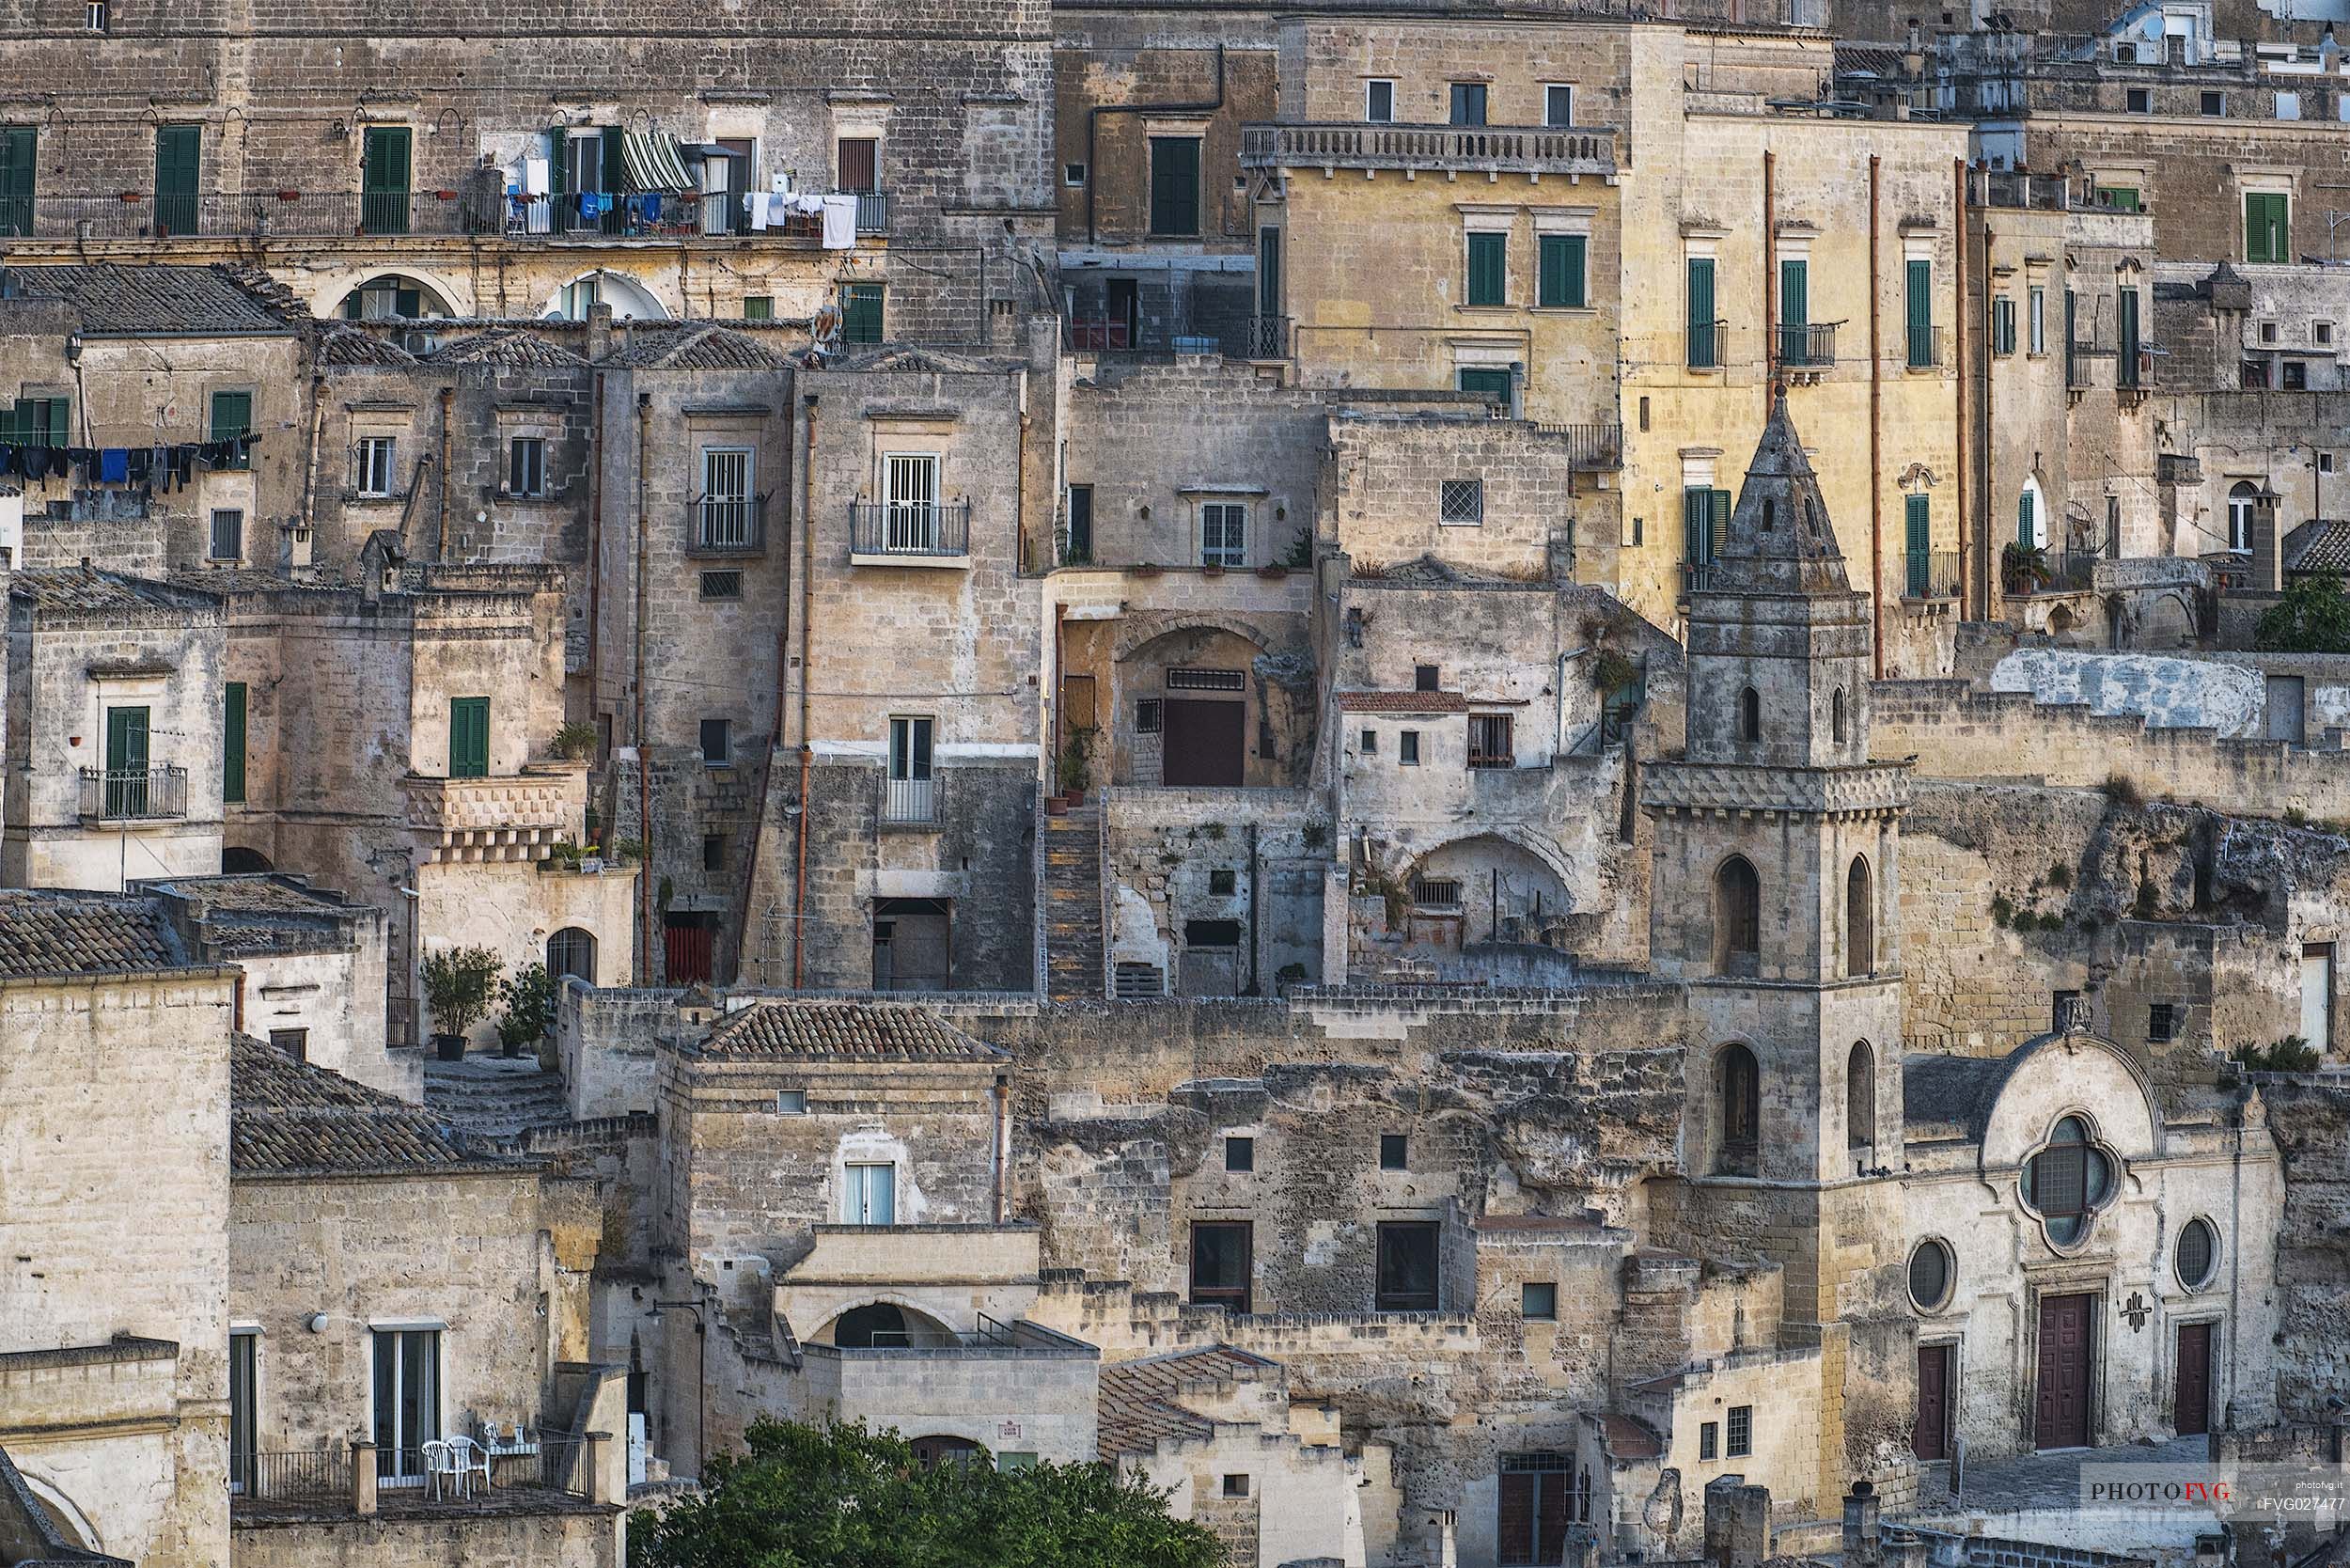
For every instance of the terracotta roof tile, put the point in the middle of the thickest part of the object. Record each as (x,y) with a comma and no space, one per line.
(705,348)
(288,1118)
(505,346)
(1138,1399)
(127,301)
(875,1031)
(1403,702)
(43,932)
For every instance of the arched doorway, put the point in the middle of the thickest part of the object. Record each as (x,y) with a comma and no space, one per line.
(1861,950)
(628,298)
(1860,1097)
(930,1453)
(571,951)
(236,861)
(2242,498)
(883,1326)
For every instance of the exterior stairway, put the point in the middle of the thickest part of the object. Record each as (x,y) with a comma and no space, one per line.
(1073,905)
(495,1097)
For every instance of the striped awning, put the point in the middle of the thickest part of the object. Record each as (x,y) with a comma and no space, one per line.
(653,163)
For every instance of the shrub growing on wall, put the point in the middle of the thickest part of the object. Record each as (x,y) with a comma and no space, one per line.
(2313,617)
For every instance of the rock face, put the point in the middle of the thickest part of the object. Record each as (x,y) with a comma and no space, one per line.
(2311,1120)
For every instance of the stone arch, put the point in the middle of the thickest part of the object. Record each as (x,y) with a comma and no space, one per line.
(856,1325)
(238,860)
(1136,633)
(377,297)
(630,298)
(1226,720)
(1860,946)
(1860,1096)
(1536,883)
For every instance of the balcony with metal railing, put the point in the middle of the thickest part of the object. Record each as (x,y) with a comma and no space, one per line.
(726,526)
(1706,345)
(479,209)
(135,794)
(1801,348)
(910,533)
(1921,347)
(1591,447)
(2026,573)
(910,802)
(1698,576)
(549,1472)
(1930,574)
(1499,148)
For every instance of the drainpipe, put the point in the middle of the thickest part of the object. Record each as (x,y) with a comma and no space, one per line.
(774,743)
(808,673)
(1770,277)
(1876,455)
(595,546)
(1093,116)
(637,703)
(1982,372)
(310,459)
(1003,1148)
(1255,923)
(448,395)
(1981,598)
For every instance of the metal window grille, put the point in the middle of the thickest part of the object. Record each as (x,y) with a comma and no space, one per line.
(1437,892)
(1461,501)
(1488,744)
(1741,1431)
(1206,680)
(1224,534)
(722,585)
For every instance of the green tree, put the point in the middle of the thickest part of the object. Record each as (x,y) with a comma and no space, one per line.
(528,995)
(842,1497)
(2313,617)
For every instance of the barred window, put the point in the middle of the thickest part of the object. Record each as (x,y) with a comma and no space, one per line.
(722,585)
(1147,717)
(1489,742)
(1741,1431)
(1206,680)
(1437,893)
(1461,501)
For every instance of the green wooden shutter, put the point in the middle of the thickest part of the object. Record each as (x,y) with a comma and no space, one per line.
(1917,520)
(1174,184)
(2125,317)
(1918,281)
(2025,532)
(179,170)
(1720,523)
(1562,258)
(384,200)
(1488,269)
(468,737)
(1794,311)
(38,421)
(233,415)
(126,740)
(1696,533)
(232,745)
(559,175)
(1704,344)
(861,313)
(17,148)
(2264,227)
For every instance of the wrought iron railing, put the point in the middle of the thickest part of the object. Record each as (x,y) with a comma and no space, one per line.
(1707,341)
(1265,337)
(910,801)
(131,794)
(1931,574)
(317,1476)
(1698,576)
(2024,572)
(476,209)
(1591,445)
(727,525)
(1811,347)
(910,529)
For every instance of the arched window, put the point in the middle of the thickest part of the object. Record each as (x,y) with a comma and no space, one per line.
(2068,1182)
(1738,1084)
(1737,918)
(878,1326)
(2242,498)
(1860,946)
(1750,715)
(571,951)
(393,297)
(2199,1254)
(1836,716)
(1770,514)
(1860,1097)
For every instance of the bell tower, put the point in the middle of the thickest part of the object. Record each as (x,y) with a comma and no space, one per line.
(1775,879)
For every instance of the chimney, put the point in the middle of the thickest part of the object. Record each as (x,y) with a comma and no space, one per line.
(2267,549)
(1862,1547)
(599,330)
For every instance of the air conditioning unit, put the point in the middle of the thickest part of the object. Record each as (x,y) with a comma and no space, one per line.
(420,343)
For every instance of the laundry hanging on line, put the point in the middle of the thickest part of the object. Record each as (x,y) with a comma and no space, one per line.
(162,467)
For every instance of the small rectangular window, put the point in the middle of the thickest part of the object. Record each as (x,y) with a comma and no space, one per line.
(1424,678)
(2325,463)
(1369,745)
(527,465)
(98,15)
(227,541)
(1147,717)
(1741,1431)
(2322,333)
(2288,105)
(1406,1280)
(1394,1152)
(1222,1257)
(1223,884)
(717,744)
(1407,748)
(792,1102)
(1490,745)
(1379,102)
(1240,1154)
(294,1042)
(714,852)
(2215,103)
(1468,103)
(1460,502)
(376,463)
(2038,325)
(2268,332)
(2297,376)
(1236,1486)
(1223,534)
(2141,100)
(1074,176)
(1559,283)
(1710,1440)
(722,585)
(1558,105)
(2161,1022)
(758,307)
(1538,1302)
(1079,550)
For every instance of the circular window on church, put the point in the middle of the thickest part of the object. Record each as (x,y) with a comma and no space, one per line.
(1932,1273)
(2067,1182)
(2199,1254)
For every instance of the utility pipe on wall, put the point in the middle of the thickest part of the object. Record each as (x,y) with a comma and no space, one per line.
(807,672)
(1876,453)
(1982,585)
(636,704)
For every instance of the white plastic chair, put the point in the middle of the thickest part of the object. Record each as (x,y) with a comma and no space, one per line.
(441,1460)
(470,1459)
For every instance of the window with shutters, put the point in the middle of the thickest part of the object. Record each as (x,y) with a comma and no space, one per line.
(1917,546)
(1558,105)
(1489,742)
(179,178)
(1175,185)
(1221,1263)
(374,457)
(1468,103)
(1918,302)
(527,465)
(717,742)
(2037,322)
(1536,1506)
(1703,329)
(2003,326)
(468,737)
(1495,384)
(2121,198)
(2126,365)
(861,313)
(1488,270)
(1424,677)
(1704,520)
(858,164)
(227,534)
(232,420)
(758,307)
(39,422)
(1379,102)
(2265,231)
(232,742)
(17,148)
(1561,283)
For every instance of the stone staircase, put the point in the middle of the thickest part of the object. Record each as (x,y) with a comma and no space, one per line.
(494,1096)
(1073,905)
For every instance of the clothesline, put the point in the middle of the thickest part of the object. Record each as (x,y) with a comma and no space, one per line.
(163,467)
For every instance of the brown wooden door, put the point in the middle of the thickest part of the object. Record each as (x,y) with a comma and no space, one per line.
(2192,1411)
(1931,1438)
(2066,1326)
(1201,742)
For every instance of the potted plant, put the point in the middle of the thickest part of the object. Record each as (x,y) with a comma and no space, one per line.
(1076,758)
(528,995)
(2026,567)
(457,986)
(574,742)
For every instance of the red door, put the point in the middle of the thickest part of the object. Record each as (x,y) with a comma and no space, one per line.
(2192,1411)
(2065,1334)
(1931,1438)
(1201,742)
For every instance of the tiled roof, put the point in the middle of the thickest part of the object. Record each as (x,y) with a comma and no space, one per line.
(1403,702)
(2318,547)
(880,1031)
(288,1118)
(1872,59)
(131,299)
(883,361)
(505,346)
(705,348)
(350,346)
(1139,1398)
(49,932)
(86,588)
